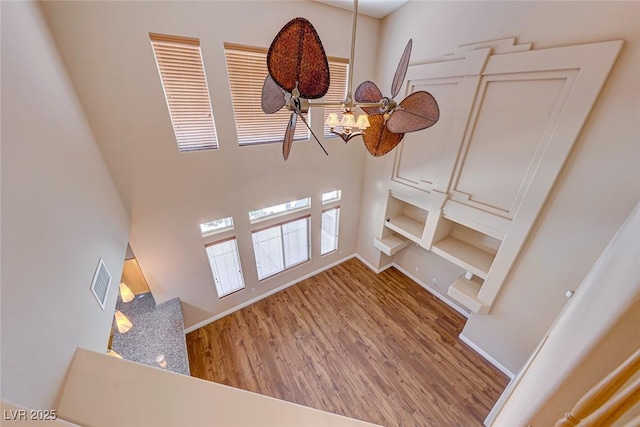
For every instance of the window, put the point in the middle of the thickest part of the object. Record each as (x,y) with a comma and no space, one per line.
(331,196)
(284,208)
(247,69)
(216,226)
(185,87)
(281,247)
(338,69)
(329,236)
(225,266)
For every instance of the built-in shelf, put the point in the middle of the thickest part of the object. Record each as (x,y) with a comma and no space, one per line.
(406,226)
(466,293)
(464,255)
(390,244)
(405,217)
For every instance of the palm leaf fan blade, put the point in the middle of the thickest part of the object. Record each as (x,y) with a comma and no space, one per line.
(401,71)
(273,98)
(296,56)
(288,135)
(367,91)
(378,139)
(416,112)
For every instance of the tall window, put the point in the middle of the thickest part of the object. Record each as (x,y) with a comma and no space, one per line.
(247,69)
(225,266)
(179,62)
(281,247)
(338,69)
(329,236)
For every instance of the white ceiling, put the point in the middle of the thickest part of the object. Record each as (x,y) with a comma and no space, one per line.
(375,8)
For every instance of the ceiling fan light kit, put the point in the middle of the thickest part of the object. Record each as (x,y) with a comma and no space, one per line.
(299,71)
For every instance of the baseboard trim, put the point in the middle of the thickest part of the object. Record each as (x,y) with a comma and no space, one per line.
(486,356)
(434,292)
(265,295)
(371,267)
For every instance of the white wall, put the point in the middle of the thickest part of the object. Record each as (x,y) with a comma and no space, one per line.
(98,383)
(596,190)
(110,60)
(595,334)
(61,212)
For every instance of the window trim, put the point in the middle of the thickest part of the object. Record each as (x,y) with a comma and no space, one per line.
(336,207)
(217,231)
(328,202)
(191,115)
(244,284)
(279,214)
(262,51)
(280,224)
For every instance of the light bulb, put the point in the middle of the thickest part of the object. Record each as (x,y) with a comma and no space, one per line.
(125,293)
(122,323)
(332,120)
(348,121)
(362,122)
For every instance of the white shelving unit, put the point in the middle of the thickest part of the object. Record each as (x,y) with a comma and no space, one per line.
(466,293)
(464,255)
(449,194)
(390,244)
(462,245)
(405,218)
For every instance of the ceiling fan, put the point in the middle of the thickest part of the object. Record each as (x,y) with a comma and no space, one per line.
(299,71)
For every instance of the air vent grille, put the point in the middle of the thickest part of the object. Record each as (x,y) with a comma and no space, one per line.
(100,283)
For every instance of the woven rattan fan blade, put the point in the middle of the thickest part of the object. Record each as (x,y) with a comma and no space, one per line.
(273,98)
(416,112)
(401,71)
(296,56)
(288,135)
(377,138)
(367,91)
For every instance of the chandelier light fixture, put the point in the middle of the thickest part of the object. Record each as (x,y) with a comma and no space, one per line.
(347,124)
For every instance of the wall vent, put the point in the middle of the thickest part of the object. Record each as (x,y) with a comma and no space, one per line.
(100,283)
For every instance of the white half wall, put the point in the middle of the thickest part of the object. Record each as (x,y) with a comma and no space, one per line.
(596,333)
(61,213)
(596,190)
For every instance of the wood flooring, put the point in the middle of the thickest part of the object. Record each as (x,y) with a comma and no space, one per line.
(377,348)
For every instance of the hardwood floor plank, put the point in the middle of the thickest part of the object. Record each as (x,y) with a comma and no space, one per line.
(375,347)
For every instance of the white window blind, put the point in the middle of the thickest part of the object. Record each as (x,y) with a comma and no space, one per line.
(281,247)
(247,69)
(185,87)
(225,266)
(338,69)
(329,236)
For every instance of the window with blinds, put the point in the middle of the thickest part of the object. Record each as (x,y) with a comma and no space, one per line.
(185,87)
(281,247)
(338,69)
(247,69)
(329,236)
(225,266)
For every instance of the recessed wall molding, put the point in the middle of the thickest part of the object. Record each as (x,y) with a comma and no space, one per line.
(470,188)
